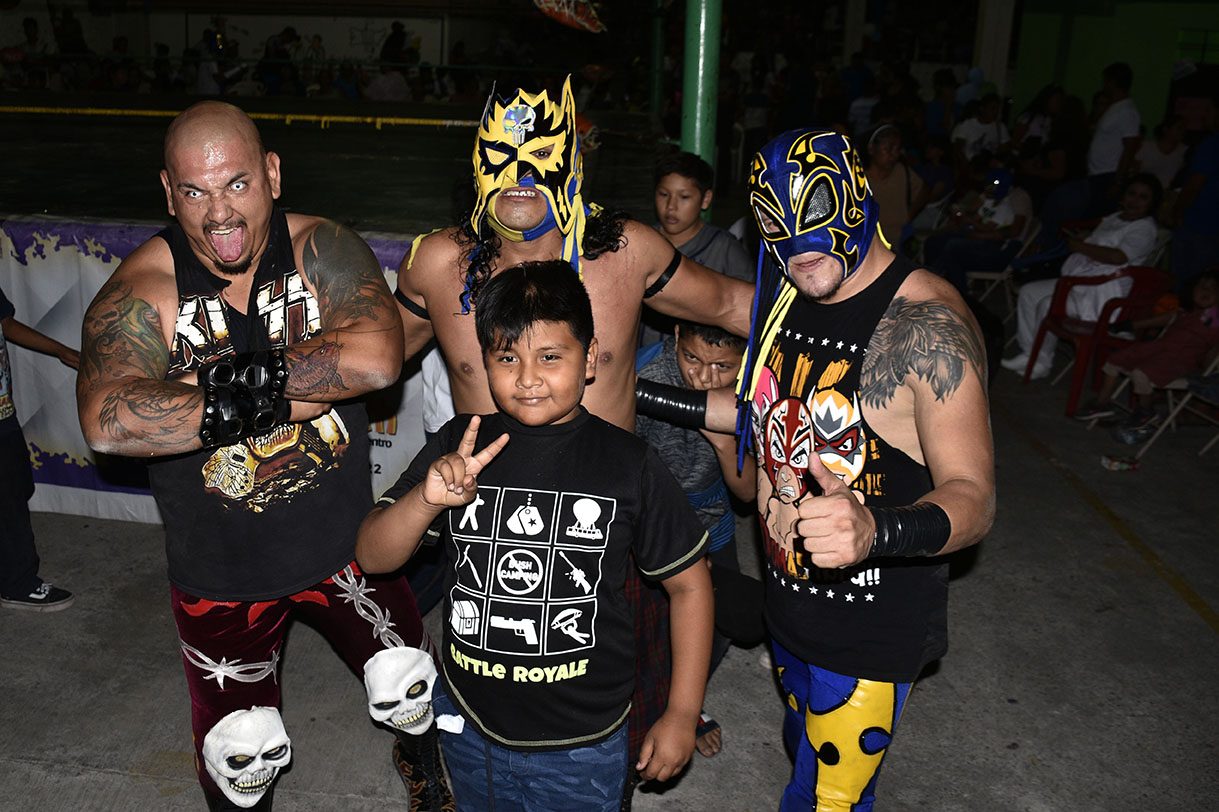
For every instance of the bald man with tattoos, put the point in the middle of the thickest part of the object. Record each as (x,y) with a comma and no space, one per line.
(232,349)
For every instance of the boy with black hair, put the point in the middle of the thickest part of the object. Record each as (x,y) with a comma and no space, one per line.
(684,188)
(703,357)
(539,653)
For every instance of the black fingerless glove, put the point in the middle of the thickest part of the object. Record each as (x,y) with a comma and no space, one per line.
(243,396)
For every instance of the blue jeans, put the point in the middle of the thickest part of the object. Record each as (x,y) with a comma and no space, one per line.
(837,729)
(488,778)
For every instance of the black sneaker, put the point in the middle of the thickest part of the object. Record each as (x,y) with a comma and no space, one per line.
(45,598)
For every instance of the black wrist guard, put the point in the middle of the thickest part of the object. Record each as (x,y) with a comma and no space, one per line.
(686,408)
(243,395)
(919,529)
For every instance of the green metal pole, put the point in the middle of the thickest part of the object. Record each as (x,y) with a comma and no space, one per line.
(656,102)
(701,78)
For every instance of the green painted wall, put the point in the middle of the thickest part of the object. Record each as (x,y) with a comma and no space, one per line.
(1071,41)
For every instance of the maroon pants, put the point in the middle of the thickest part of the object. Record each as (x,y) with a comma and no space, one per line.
(232,649)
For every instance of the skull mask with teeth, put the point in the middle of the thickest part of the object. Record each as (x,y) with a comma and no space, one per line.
(399,682)
(245,751)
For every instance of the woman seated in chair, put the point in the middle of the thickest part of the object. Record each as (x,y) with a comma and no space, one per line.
(1189,340)
(1126,237)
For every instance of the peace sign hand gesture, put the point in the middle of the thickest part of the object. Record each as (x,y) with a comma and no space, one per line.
(452,480)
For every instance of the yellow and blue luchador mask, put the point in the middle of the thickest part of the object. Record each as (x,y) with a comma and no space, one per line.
(808,192)
(514,136)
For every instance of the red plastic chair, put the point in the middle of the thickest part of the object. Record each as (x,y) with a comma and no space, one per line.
(1091,339)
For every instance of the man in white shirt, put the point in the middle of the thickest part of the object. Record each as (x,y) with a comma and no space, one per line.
(1110,156)
(982,133)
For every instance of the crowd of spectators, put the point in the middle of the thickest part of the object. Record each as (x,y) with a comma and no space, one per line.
(286,64)
(967,184)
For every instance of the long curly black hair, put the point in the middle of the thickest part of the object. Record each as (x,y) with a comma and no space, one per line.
(602,233)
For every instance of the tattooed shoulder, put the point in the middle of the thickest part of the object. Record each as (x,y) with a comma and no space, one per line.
(345,273)
(927,339)
(122,333)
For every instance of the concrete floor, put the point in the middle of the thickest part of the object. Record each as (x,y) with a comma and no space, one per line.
(1081,673)
(1084,629)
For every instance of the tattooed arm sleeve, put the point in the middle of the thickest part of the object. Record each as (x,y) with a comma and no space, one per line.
(360,349)
(124,403)
(934,349)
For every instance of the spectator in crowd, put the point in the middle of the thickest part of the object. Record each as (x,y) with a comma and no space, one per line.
(859,114)
(684,188)
(855,77)
(1060,157)
(936,168)
(1195,243)
(32,71)
(987,237)
(277,55)
(394,48)
(940,114)
(981,133)
(1036,122)
(898,190)
(1110,156)
(1190,336)
(1125,237)
(20,586)
(704,463)
(1163,155)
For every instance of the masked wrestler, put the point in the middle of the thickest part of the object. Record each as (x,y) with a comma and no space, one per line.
(232,349)
(529,206)
(885,367)
(864,386)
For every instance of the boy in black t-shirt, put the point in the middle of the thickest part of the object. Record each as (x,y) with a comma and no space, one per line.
(546,516)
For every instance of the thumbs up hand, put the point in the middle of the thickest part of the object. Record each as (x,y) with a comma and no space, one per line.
(835,527)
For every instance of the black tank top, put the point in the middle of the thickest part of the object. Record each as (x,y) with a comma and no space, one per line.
(271,515)
(886,618)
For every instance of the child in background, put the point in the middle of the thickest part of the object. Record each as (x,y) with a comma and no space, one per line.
(684,188)
(683,191)
(704,463)
(541,507)
(1184,347)
(20,586)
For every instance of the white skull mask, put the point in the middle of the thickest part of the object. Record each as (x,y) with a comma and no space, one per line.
(399,682)
(245,751)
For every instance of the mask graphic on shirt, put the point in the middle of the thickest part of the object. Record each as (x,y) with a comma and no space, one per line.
(838,432)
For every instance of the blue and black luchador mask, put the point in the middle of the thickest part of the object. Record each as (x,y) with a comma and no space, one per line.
(808,192)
